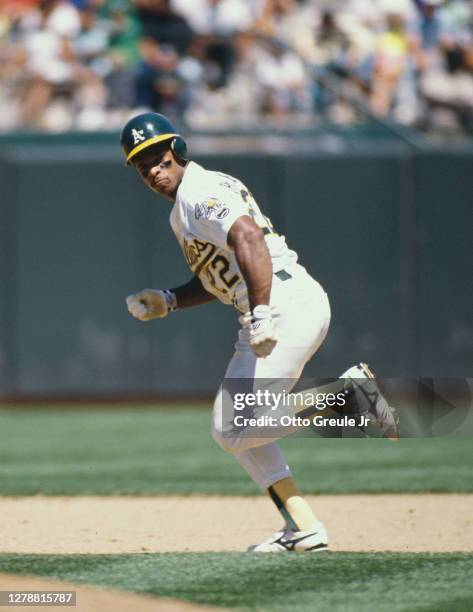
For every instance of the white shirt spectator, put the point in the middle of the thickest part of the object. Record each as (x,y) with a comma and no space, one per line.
(224,18)
(44,49)
(196,12)
(233,16)
(64,20)
(280,72)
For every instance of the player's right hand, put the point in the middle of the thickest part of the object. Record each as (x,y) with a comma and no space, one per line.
(262,331)
(148,304)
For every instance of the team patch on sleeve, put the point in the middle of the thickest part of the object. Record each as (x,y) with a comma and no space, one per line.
(211,208)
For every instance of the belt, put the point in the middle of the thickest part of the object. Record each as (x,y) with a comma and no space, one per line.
(283,275)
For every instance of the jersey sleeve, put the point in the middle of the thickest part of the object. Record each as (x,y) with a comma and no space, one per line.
(213,216)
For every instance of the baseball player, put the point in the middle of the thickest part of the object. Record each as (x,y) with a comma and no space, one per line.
(237,257)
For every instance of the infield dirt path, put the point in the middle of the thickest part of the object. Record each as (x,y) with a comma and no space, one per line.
(93,599)
(405,523)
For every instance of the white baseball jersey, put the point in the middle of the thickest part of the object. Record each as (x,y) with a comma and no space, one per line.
(207,204)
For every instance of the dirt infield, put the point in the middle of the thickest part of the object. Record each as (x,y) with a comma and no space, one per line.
(92,599)
(405,523)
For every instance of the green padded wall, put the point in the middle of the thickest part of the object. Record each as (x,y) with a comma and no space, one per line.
(444,184)
(387,233)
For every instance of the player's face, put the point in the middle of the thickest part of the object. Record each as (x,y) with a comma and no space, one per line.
(159,170)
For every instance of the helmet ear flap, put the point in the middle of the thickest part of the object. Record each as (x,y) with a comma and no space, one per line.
(179,150)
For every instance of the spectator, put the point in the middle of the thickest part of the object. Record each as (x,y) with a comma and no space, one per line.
(446,84)
(163,25)
(58,16)
(48,56)
(390,61)
(123,52)
(158,84)
(284,82)
(218,61)
(288,21)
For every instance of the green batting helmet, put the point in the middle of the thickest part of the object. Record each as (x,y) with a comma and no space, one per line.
(148,129)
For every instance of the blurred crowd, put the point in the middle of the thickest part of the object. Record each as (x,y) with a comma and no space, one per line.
(87,64)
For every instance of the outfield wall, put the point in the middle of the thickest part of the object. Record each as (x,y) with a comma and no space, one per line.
(385,229)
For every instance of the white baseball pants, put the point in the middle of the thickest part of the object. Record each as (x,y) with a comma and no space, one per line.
(302,326)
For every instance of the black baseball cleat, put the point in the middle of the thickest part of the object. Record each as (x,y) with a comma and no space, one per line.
(368,401)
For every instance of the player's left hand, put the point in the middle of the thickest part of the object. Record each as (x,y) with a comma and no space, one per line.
(150,304)
(262,331)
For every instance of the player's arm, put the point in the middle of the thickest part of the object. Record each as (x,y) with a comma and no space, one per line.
(157,303)
(192,294)
(246,239)
(247,242)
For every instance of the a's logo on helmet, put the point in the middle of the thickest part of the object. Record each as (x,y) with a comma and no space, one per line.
(138,136)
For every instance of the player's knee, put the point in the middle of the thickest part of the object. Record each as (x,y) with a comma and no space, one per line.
(226,442)
(220,433)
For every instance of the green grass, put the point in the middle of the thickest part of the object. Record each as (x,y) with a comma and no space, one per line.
(166,451)
(381,582)
(144,451)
